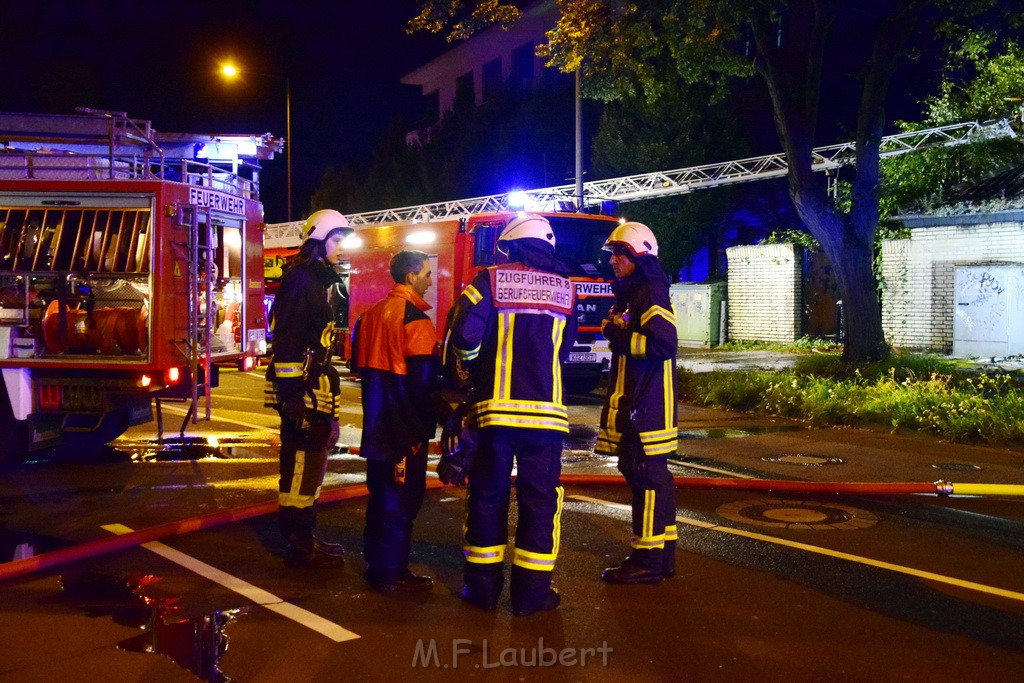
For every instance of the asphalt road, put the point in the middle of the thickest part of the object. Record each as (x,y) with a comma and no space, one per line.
(786,587)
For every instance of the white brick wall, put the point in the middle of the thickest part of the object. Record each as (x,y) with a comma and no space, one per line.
(764,285)
(917,296)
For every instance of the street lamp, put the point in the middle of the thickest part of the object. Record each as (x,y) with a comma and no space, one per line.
(230,71)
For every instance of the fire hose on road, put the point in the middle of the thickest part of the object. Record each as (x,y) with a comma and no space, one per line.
(102,546)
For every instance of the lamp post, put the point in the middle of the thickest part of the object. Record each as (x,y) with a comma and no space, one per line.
(230,71)
(579,145)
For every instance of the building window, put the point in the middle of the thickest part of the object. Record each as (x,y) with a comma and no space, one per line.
(464,94)
(431,108)
(522,64)
(492,79)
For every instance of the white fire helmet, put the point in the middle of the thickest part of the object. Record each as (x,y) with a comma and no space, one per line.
(320,224)
(528,225)
(636,237)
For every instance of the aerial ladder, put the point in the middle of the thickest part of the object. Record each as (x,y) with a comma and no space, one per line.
(660,183)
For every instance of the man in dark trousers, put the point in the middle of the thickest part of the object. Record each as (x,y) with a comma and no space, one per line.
(638,421)
(397,356)
(303,386)
(513,325)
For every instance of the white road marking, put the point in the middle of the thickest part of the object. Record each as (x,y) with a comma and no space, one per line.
(259,596)
(910,571)
(184,411)
(711,469)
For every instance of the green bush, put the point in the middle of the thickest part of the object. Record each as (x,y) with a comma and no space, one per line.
(919,392)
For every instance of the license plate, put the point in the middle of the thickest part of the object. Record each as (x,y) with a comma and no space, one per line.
(83,397)
(579,357)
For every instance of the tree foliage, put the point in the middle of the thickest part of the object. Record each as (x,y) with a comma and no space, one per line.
(636,136)
(983,79)
(627,49)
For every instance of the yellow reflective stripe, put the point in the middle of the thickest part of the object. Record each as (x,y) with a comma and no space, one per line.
(327,336)
(473,294)
(648,523)
(659,435)
(467,355)
(292,497)
(671,533)
(607,441)
(542,562)
(531,563)
(506,337)
(523,423)
(648,542)
(499,356)
(638,345)
(618,392)
(660,312)
(668,395)
(526,414)
(520,406)
(484,554)
(656,451)
(556,366)
(287,370)
(661,442)
(556,531)
(295,500)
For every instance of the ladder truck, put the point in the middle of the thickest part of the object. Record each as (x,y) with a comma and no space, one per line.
(460,234)
(131,264)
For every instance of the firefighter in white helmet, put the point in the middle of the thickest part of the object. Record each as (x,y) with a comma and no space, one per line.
(519,318)
(638,421)
(303,386)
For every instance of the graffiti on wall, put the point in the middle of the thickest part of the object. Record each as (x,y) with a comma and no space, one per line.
(982,299)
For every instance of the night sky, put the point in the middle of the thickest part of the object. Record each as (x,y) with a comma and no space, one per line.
(158,60)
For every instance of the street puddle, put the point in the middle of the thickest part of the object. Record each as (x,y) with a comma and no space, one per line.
(195,644)
(178,449)
(581,437)
(737,433)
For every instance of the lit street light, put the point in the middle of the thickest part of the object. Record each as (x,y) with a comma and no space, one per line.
(230,71)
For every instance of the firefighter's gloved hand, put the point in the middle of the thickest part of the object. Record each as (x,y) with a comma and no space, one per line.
(632,464)
(458,447)
(294,409)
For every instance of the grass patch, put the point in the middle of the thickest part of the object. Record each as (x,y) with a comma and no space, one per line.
(803,344)
(918,392)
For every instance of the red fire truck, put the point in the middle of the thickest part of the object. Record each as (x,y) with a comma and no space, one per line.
(131,263)
(460,247)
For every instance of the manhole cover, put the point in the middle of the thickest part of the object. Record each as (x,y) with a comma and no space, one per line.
(802,459)
(956,466)
(797,514)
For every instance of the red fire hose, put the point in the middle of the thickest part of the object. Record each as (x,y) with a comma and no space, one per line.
(109,544)
(102,546)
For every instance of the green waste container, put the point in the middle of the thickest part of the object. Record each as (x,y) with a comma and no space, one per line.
(698,309)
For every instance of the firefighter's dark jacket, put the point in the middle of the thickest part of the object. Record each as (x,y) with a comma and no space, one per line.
(513,326)
(397,356)
(641,396)
(302,325)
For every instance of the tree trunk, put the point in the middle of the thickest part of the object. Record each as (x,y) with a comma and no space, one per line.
(852,261)
(792,71)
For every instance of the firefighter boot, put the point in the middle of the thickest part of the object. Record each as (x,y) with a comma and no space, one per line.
(403,582)
(668,560)
(642,566)
(482,585)
(301,548)
(532,592)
